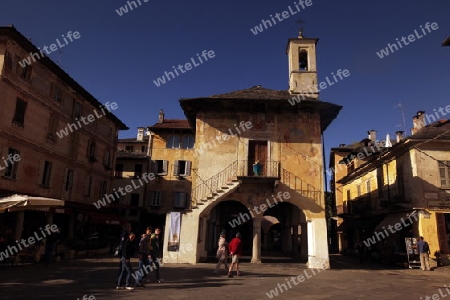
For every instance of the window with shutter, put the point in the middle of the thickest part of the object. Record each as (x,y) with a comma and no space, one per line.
(56,93)
(155,198)
(182,168)
(52,127)
(68,183)
(161,167)
(444,173)
(46,175)
(107,159)
(173,142)
(19,114)
(188,141)
(180,200)
(11,164)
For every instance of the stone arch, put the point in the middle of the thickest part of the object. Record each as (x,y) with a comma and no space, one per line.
(227,215)
(290,235)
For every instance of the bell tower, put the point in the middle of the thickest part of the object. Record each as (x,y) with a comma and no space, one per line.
(301,53)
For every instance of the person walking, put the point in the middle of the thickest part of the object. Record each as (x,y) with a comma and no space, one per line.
(155,253)
(222,253)
(143,254)
(127,252)
(50,247)
(424,251)
(123,237)
(235,248)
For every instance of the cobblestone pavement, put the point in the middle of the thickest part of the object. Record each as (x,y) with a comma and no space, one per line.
(346,280)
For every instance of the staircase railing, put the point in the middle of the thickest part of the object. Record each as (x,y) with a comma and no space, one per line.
(297,184)
(213,184)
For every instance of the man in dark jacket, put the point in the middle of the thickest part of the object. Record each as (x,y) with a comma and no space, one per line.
(123,237)
(127,252)
(143,254)
(155,252)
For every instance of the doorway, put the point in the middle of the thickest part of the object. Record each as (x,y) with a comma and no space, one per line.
(257,151)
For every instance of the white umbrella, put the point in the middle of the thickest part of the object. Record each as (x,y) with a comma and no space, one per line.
(23,202)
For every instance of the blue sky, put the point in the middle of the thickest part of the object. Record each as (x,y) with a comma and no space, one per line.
(118,57)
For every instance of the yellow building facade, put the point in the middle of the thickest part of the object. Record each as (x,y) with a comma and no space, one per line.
(406,181)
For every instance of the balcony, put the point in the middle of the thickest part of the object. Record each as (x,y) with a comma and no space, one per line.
(360,205)
(263,169)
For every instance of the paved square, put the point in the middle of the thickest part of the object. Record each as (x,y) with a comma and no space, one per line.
(347,280)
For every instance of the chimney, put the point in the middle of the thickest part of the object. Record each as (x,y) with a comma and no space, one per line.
(161,116)
(140,134)
(341,145)
(399,135)
(372,135)
(418,121)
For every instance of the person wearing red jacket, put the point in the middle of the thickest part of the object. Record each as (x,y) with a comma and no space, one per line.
(235,249)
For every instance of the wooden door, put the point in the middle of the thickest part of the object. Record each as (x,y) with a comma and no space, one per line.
(257,151)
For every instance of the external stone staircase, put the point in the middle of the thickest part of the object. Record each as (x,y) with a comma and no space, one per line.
(215,188)
(300,186)
(226,182)
(220,193)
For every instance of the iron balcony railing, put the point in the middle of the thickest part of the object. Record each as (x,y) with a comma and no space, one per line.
(260,169)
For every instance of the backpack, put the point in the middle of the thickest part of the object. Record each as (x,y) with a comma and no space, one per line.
(426,247)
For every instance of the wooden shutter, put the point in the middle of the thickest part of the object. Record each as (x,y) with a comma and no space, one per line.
(176,168)
(165,165)
(187,171)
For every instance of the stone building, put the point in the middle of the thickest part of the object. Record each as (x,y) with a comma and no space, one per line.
(171,144)
(64,137)
(406,183)
(257,163)
(131,164)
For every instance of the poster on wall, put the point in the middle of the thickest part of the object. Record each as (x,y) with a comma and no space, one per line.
(174,232)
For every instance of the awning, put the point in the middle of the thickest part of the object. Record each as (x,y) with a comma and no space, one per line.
(25,202)
(394,218)
(359,223)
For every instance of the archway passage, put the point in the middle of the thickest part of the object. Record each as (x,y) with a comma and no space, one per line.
(284,234)
(279,235)
(229,217)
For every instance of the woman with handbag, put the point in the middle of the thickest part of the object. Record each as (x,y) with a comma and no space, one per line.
(222,253)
